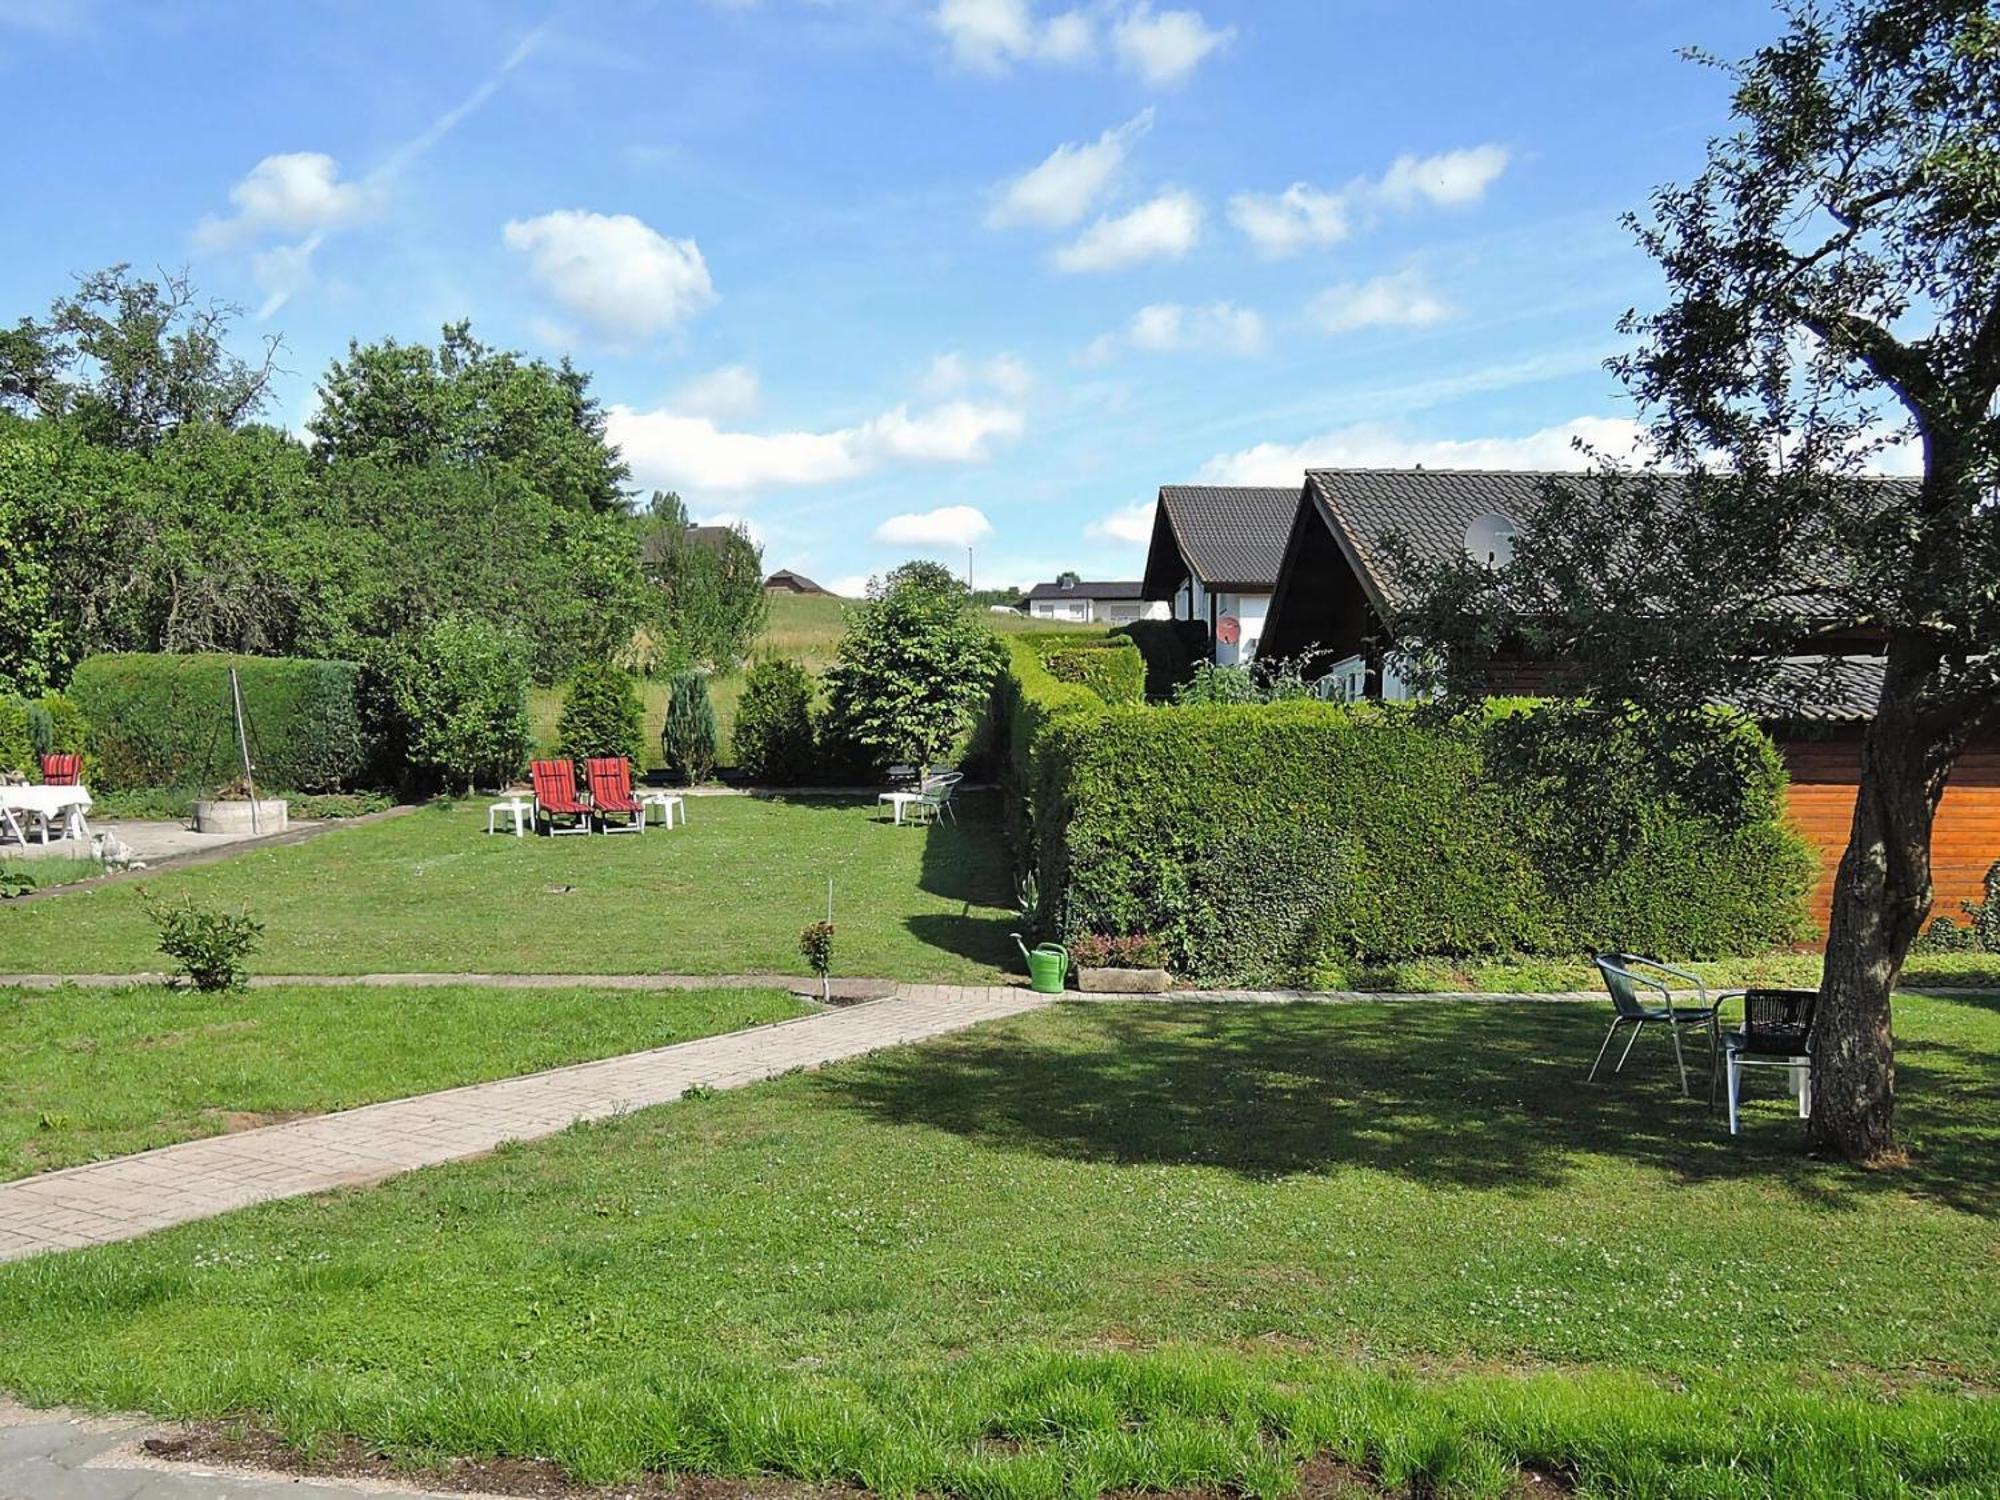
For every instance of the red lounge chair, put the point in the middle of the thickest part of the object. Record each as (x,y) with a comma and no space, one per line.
(62,770)
(555,796)
(611,794)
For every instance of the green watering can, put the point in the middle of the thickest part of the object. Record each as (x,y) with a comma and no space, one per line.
(1048,966)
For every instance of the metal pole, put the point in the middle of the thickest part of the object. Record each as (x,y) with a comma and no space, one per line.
(243,745)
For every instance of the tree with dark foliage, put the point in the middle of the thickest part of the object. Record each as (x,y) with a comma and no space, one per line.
(1833,297)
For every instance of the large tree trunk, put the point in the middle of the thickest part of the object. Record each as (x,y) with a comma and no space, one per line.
(1880,897)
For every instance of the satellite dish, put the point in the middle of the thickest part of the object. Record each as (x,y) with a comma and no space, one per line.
(1228,630)
(1490,539)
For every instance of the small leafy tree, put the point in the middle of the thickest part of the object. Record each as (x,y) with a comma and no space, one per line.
(816,944)
(602,715)
(687,740)
(914,667)
(461,697)
(773,739)
(209,945)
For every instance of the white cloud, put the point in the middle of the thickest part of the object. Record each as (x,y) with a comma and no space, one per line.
(1304,217)
(1164,229)
(1375,445)
(1450,179)
(678,450)
(849,585)
(1060,191)
(1403,300)
(990,36)
(615,272)
(1007,374)
(727,392)
(293,193)
(947,526)
(1131,524)
(1164,49)
(1171,328)
(1301,217)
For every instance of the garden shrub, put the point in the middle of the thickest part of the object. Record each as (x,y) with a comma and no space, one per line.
(602,716)
(1172,649)
(209,945)
(167,721)
(1263,843)
(687,739)
(459,694)
(1112,669)
(59,726)
(17,745)
(773,738)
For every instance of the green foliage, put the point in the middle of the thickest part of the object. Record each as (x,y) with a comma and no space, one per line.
(17,745)
(67,729)
(1212,684)
(816,947)
(710,581)
(317,806)
(166,721)
(1266,843)
(913,669)
(1172,649)
(460,697)
(602,715)
(466,403)
(773,737)
(1111,668)
(687,739)
(210,945)
(1134,950)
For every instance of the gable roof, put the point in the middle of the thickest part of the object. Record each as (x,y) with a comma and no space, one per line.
(787,578)
(1228,536)
(1128,589)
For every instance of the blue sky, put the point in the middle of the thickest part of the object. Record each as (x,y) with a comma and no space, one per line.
(884,277)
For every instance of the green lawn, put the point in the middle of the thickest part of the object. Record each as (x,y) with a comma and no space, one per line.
(1120,1248)
(431,892)
(88,1074)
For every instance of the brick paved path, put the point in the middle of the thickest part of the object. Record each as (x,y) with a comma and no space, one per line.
(134,1195)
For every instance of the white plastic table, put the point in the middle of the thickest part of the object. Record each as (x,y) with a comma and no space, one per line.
(49,804)
(899,800)
(666,802)
(522,808)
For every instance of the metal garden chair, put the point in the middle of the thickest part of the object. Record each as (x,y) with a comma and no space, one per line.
(934,797)
(1629,1007)
(1777,1033)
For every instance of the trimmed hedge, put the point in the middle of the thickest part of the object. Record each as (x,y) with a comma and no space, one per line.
(1172,649)
(1111,669)
(1286,842)
(165,721)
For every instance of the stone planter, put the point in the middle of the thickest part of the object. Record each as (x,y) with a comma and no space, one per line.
(234,816)
(1122,981)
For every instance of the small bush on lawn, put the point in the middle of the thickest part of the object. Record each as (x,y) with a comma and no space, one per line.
(164,720)
(773,739)
(324,806)
(602,715)
(687,738)
(209,945)
(460,695)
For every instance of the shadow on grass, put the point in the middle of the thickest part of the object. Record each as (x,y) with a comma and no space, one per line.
(1474,1095)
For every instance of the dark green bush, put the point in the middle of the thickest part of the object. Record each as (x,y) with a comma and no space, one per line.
(458,696)
(687,738)
(1264,843)
(158,720)
(773,738)
(602,716)
(210,946)
(1172,650)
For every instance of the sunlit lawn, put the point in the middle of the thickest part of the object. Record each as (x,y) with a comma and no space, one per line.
(1127,1248)
(87,1074)
(431,892)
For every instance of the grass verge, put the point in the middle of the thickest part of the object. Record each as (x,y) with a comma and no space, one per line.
(1124,1248)
(89,1074)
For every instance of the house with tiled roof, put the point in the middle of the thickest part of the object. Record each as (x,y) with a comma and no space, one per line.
(1112,602)
(1214,558)
(1338,585)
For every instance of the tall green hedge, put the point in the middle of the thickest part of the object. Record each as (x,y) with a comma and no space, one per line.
(1110,667)
(165,721)
(1265,843)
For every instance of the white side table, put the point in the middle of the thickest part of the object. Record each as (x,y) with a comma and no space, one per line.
(666,802)
(521,807)
(899,800)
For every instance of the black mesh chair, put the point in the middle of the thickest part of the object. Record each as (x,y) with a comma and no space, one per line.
(1630,1007)
(1777,1033)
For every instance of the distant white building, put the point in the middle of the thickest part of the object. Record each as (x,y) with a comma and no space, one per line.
(1215,557)
(1093,603)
